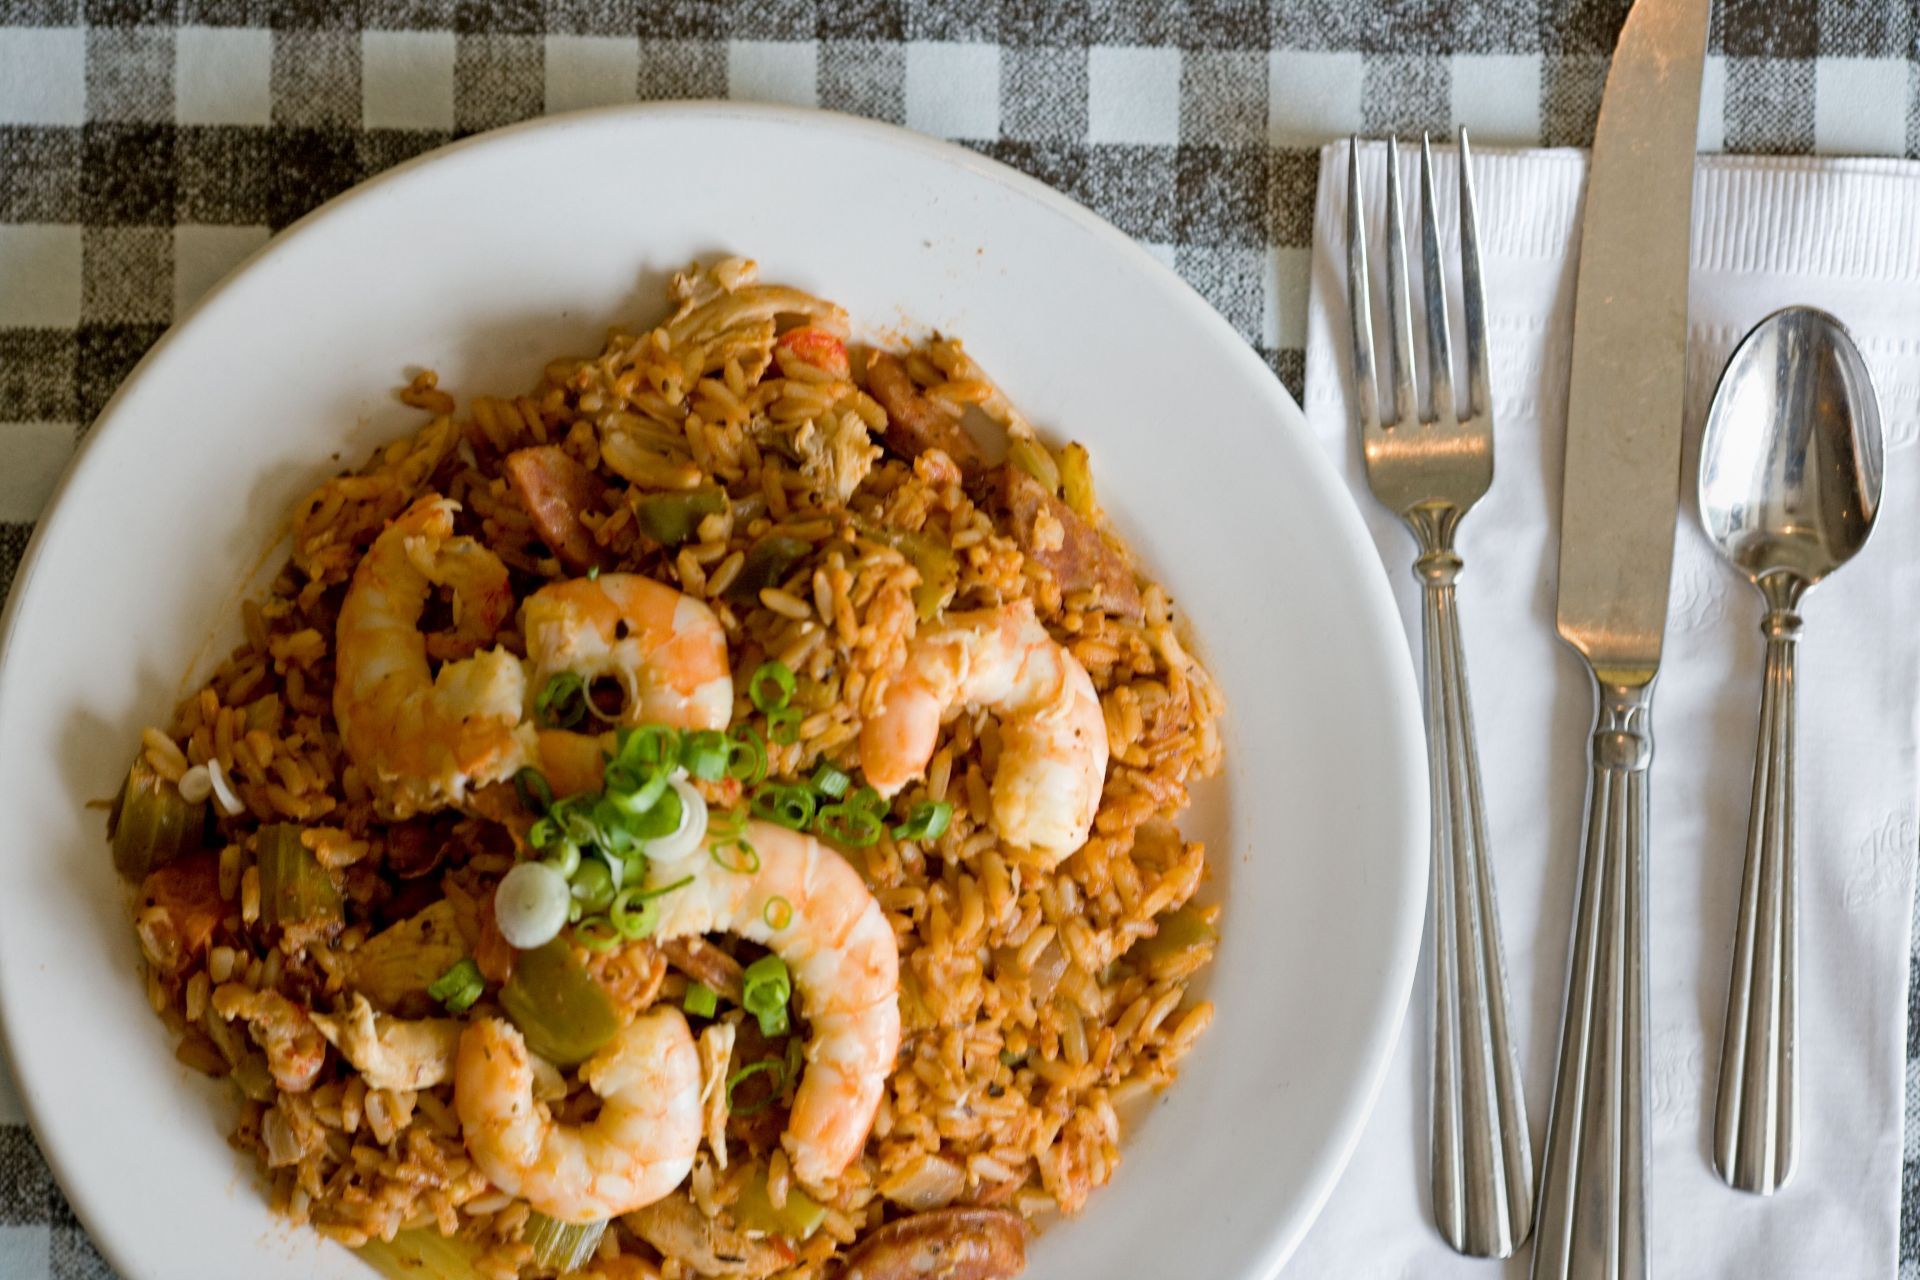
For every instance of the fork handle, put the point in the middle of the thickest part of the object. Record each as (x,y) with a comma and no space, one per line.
(1592,1215)
(1482,1155)
(1753,1122)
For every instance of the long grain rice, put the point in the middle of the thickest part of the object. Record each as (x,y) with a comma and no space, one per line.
(1028,1028)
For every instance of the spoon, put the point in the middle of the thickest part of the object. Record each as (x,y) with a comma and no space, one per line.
(1790,470)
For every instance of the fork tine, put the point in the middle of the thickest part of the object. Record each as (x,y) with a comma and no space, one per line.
(1433,280)
(1473,297)
(1359,298)
(1399,299)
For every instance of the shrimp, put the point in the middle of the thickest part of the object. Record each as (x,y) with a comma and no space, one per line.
(294,1047)
(845,966)
(1053,735)
(666,649)
(425,741)
(634,1152)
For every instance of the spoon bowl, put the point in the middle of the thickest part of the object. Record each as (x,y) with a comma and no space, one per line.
(1792,459)
(1790,472)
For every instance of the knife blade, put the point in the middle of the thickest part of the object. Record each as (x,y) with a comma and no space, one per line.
(1628,379)
(1626,397)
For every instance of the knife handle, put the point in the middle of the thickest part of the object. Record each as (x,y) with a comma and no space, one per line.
(1482,1156)
(1591,1223)
(1753,1121)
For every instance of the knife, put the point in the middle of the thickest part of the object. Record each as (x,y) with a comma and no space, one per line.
(1625,400)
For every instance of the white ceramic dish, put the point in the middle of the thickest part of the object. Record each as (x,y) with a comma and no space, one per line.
(487,258)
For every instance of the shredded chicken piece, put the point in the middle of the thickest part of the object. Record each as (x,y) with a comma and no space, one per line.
(836,454)
(392,1053)
(716,1050)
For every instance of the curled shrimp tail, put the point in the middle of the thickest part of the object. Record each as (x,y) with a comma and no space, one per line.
(636,1151)
(425,739)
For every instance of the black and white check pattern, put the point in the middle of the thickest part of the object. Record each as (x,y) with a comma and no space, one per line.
(148,145)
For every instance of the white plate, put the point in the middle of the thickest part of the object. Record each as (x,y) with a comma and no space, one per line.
(485,259)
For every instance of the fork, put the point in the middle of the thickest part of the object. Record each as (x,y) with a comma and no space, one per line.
(1430,470)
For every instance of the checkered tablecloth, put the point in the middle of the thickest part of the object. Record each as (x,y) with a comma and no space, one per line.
(148,145)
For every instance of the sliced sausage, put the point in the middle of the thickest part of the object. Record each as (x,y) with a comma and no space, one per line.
(946,1244)
(915,421)
(555,489)
(1066,545)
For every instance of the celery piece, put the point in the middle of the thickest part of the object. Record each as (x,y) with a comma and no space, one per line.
(420,1253)
(562,1246)
(563,1013)
(151,823)
(294,888)
(799,1218)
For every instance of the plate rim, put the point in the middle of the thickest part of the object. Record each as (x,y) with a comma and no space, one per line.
(1374,594)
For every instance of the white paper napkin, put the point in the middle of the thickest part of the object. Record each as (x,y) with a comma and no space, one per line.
(1840,234)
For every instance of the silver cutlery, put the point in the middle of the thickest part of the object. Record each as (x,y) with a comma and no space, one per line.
(1625,403)
(1429,469)
(1790,472)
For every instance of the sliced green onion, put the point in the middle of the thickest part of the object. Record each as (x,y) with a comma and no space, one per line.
(784,804)
(648,746)
(831,782)
(632,924)
(568,821)
(597,933)
(701,1000)
(593,887)
(726,826)
(638,924)
(764,993)
(534,792)
(778,913)
(867,800)
(783,725)
(562,703)
(564,858)
(458,987)
(927,821)
(746,755)
(843,824)
(796,1054)
(662,819)
(593,574)
(704,755)
(747,861)
(633,794)
(771,686)
(746,1073)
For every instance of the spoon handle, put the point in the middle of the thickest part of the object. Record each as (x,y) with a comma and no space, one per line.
(1482,1157)
(1755,1117)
